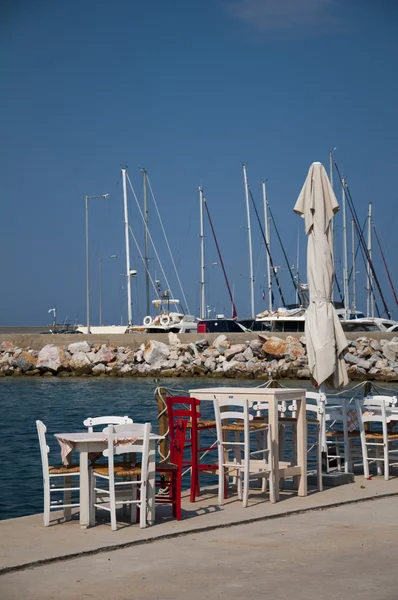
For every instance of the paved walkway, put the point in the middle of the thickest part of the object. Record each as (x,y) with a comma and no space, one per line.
(344,553)
(26,542)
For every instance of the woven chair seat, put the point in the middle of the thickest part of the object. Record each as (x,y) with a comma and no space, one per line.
(63,469)
(340,434)
(379,436)
(239,427)
(202,423)
(119,470)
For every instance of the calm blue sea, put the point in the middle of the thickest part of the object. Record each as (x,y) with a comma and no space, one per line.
(63,404)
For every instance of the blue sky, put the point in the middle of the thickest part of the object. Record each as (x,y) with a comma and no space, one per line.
(188,90)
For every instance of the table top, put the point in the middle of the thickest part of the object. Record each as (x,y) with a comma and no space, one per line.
(249,392)
(100,436)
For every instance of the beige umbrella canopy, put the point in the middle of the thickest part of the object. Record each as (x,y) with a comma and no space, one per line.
(324,335)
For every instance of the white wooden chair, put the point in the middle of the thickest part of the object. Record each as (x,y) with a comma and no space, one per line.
(379,410)
(92,422)
(61,473)
(233,419)
(124,479)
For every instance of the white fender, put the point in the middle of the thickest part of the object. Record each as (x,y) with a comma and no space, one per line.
(147,320)
(165,320)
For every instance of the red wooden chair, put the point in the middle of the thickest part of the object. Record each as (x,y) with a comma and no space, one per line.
(171,472)
(186,408)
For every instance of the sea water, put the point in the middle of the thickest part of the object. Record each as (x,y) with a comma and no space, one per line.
(63,404)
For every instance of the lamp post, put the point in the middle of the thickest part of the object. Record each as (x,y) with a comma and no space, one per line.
(87,262)
(101,259)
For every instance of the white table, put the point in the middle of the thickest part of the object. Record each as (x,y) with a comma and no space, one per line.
(272,396)
(87,442)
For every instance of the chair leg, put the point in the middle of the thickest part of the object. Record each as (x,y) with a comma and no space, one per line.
(143,504)
(67,498)
(272,495)
(177,484)
(319,460)
(112,506)
(92,498)
(221,484)
(386,462)
(245,495)
(46,514)
(365,457)
(133,507)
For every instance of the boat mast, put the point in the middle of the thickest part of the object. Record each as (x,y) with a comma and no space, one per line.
(354,274)
(370,299)
(331,183)
(202,258)
(127,239)
(345,256)
(249,231)
(148,306)
(267,232)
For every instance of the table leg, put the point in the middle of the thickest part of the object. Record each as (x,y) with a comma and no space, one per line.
(302,446)
(84,491)
(151,482)
(273,422)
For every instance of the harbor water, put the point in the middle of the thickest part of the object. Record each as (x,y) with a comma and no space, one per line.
(63,404)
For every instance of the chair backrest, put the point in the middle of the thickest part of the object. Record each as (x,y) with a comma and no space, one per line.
(231,412)
(91,422)
(375,409)
(178,443)
(44,449)
(117,436)
(182,407)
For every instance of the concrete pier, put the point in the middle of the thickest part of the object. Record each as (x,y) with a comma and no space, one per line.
(337,544)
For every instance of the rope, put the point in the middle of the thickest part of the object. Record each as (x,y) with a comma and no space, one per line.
(168,246)
(365,249)
(150,236)
(234,313)
(385,264)
(268,250)
(146,268)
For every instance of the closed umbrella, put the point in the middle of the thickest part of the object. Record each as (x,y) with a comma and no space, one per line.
(324,335)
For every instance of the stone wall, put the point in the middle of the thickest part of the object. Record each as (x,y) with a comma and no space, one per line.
(262,357)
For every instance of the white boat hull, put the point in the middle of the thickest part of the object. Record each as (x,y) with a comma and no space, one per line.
(104,329)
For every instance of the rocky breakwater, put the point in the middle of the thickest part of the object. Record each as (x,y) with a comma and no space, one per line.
(262,358)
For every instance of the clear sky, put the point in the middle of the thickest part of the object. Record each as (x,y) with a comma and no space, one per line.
(187,89)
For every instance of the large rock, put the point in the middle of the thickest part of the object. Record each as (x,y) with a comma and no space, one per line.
(99,369)
(80,363)
(79,347)
(303,373)
(248,354)
(155,351)
(294,349)
(7,347)
(390,350)
(210,364)
(221,343)
(104,355)
(210,353)
(5,359)
(375,345)
(351,359)
(234,350)
(25,362)
(52,358)
(275,347)
(174,340)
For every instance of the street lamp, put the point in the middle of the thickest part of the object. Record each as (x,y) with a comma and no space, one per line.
(87,263)
(101,259)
